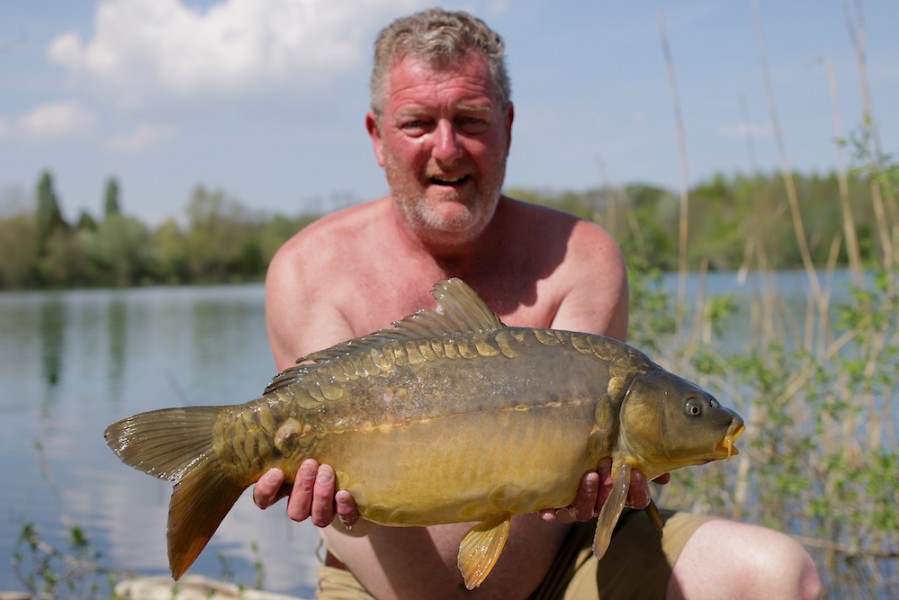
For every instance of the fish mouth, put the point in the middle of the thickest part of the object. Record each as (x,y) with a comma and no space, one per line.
(726,445)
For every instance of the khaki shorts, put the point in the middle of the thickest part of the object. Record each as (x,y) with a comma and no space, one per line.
(637,564)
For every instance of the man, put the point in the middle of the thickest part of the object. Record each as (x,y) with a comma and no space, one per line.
(440,124)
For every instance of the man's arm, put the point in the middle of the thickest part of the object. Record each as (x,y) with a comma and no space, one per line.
(300,322)
(595,277)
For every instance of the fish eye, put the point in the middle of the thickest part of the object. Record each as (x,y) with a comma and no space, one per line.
(693,407)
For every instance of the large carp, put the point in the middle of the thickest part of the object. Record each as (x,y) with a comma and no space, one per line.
(449,416)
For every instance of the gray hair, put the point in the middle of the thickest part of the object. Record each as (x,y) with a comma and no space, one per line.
(438,37)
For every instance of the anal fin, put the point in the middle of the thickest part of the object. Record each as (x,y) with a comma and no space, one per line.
(480,549)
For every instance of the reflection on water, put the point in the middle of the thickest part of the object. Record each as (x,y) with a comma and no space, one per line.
(117,329)
(73,362)
(52,326)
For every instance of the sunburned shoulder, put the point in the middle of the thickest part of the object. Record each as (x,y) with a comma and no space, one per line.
(342,224)
(333,235)
(582,239)
(529,214)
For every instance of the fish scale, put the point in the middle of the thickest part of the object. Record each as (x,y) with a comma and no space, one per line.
(449,416)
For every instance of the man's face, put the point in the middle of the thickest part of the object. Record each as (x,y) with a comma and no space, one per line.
(443,139)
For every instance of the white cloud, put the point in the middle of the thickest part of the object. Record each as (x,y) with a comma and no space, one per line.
(144,136)
(142,49)
(49,122)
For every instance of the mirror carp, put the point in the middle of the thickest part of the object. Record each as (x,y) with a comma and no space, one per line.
(449,416)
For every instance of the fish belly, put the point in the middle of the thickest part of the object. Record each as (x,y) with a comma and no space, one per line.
(467,467)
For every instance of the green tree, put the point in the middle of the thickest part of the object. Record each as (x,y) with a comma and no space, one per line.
(169,248)
(48,217)
(63,263)
(86,221)
(111,204)
(649,237)
(123,250)
(717,223)
(222,239)
(17,258)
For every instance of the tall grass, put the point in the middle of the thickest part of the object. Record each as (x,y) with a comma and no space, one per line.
(819,390)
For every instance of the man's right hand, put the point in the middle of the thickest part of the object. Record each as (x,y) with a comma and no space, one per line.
(594,490)
(313,494)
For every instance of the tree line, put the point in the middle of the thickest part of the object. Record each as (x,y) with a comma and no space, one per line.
(730,218)
(220,240)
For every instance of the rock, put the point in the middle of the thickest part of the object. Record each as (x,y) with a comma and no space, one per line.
(190,587)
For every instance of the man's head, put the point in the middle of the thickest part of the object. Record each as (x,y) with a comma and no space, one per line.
(439,38)
(441,124)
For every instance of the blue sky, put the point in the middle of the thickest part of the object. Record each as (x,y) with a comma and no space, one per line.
(265,99)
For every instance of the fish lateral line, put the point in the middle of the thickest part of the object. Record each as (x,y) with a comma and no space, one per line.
(384,427)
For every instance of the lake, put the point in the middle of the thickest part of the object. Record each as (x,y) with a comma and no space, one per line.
(71,362)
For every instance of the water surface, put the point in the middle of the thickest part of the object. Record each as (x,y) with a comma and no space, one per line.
(71,363)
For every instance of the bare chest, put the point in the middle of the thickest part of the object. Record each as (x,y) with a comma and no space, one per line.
(379,302)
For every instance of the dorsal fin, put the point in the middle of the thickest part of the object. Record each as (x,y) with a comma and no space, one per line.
(459,309)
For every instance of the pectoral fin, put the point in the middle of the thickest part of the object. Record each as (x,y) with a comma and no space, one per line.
(611,510)
(480,548)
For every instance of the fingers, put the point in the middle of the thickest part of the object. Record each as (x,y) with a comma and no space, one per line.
(346,508)
(606,482)
(596,487)
(586,500)
(323,508)
(638,495)
(313,494)
(300,502)
(591,494)
(268,489)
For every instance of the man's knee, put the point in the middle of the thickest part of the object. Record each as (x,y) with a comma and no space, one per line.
(728,559)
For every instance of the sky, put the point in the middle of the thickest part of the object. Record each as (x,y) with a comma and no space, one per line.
(265,99)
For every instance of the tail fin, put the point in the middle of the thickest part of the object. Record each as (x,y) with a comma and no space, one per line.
(177,444)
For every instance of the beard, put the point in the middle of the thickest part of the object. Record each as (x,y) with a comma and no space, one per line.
(444,216)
